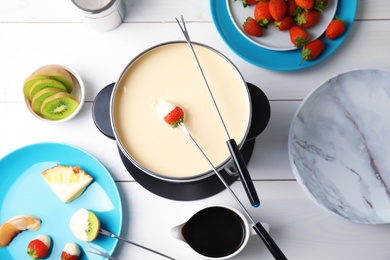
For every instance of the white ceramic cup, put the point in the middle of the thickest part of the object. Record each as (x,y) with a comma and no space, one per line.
(179,232)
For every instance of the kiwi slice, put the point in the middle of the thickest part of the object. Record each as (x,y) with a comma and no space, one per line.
(45,83)
(59,106)
(93,226)
(40,96)
(29,82)
(58,73)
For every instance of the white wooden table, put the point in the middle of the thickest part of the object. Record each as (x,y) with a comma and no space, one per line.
(37,32)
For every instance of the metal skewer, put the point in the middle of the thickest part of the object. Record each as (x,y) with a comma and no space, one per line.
(260,230)
(107,233)
(233,148)
(100,252)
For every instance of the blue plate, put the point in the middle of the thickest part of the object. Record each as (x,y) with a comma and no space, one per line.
(23,191)
(270,59)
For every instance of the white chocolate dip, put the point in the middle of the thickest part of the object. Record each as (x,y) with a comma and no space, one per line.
(171,73)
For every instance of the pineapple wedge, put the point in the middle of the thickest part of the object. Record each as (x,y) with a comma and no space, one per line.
(67,182)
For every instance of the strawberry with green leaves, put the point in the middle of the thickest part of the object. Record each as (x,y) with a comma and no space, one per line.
(246,3)
(252,27)
(278,9)
(285,24)
(312,50)
(305,4)
(298,36)
(308,18)
(39,247)
(335,28)
(291,7)
(262,14)
(320,5)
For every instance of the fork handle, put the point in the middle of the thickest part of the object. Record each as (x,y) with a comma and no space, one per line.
(243,173)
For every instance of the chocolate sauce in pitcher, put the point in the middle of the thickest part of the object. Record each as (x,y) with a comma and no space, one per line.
(214,232)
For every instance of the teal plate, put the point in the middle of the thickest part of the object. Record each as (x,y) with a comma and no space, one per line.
(270,59)
(23,191)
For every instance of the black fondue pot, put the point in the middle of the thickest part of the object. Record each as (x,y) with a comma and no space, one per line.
(191,188)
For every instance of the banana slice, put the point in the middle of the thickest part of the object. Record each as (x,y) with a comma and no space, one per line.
(15,225)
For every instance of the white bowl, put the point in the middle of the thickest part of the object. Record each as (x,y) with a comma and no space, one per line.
(339,146)
(78,91)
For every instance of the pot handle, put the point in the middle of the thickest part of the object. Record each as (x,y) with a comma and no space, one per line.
(101,111)
(261,111)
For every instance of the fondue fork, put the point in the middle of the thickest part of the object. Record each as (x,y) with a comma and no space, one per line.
(260,230)
(100,252)
(109,234)
(233,148)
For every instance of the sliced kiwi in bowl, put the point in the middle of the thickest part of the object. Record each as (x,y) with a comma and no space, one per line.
(39,89)
(59,106)
(45,83)
(58,73)
(40,96)
(29,82)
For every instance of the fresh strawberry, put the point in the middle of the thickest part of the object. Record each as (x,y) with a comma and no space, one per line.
(39,247)
(285,24)
(71,251)
(320,5)
(335,28)
(262,14)
(174,117)
(306,4)
(246,3)
(278,9)
(308,18)
(251,27)
(312,50)
(298,36)
(291,7)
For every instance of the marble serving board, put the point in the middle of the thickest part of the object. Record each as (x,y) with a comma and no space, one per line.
(339,146)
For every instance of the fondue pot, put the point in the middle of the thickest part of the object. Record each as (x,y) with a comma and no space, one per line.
(160,158)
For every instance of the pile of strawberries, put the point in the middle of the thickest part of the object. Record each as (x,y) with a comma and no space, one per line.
(294,16)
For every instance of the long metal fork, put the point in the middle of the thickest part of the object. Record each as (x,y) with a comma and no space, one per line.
(107,233)
(100,252)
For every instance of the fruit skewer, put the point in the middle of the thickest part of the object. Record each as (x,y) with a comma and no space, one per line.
(175,118)
(231,143)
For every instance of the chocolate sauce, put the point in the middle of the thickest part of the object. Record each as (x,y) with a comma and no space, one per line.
(215,232)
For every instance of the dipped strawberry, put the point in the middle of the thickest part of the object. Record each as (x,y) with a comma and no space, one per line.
(172,114)
(71,251)
(39,247)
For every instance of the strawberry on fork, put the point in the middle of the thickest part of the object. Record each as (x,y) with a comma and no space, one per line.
(172,114)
